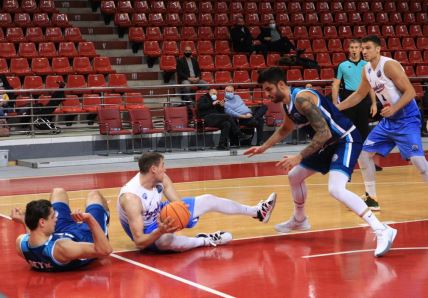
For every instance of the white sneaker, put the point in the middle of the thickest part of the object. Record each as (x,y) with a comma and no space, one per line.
(217,238)
(385,238)
(265,208)
(293,225)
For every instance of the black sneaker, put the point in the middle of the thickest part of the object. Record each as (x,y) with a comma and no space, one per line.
(378,168)
(371,202)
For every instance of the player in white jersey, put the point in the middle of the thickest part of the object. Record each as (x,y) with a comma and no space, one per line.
(401,125)
(139,206)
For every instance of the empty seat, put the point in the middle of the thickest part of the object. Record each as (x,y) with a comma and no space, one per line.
(15,34)
(401,31)
(47,49)
(20,67)
(241,76)
(401,56)
(61,66)
(4,68)
(345,31)
(34,34)
(300,32)
(220,7)
(158,7)
(223,77)
(189,19)
(11,6)
(415,30)
(67,49)
(310,74)
(272,59)
(257,61)
(139,19)
(47,6)
(77,83)
(82,65)
(172,19)
(206,62)
(118,80)
(33,82)
(318,45)
(51,81)
(205,19)
(369,18)
(121,19)
(304,44)
(173,7)
(124,6)
(394,44)
(415,57)
(240,62)
(27,50)
(408,43)
(29,6)
(7,50)
(330,32)
(205,33)
(113,99)
(222,19)
(22,20)
(168,63)
(323,60)
(136,34)
(102,65)
(170,47)
(422,43)
(72,34)
(60,20)
(54,34)
(171,33)
(388,31)
(294,75)
(96,81)
(222,47)
(222,62)
(327,74)
(41,66)
(315,32)
(91,102)
(188,33)
(205,47)
(86,48)
(133,100)
(153,33)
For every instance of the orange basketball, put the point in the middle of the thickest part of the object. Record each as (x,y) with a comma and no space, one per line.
(178,211)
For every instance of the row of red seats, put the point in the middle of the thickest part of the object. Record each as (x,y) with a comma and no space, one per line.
(73,81)
(48,49)
(262,7)
(137,34)
(122,19)
(35,34)
(346,31)
(39,19)
(29,6)
(60,66)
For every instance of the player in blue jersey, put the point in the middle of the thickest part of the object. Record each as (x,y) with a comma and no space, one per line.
(59,240)
(334,148)
(401,125)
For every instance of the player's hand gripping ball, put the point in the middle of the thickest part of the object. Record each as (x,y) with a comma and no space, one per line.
(178,211)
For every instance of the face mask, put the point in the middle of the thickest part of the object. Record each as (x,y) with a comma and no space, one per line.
(213,97)
(229,95)
(272,26)
(187,54)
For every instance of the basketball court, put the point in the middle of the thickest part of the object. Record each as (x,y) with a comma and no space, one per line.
(333,259)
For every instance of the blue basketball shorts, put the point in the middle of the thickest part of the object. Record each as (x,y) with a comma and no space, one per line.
(403,133)
(80,231)
(338,157)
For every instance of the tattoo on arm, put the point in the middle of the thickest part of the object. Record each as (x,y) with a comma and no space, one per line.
(318,123)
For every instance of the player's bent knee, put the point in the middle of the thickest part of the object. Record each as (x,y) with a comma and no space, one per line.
(165,242)
(59,195)
(335,191)
(95,197)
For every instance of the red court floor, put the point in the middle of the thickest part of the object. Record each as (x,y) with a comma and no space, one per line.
(334,263)
(278,266)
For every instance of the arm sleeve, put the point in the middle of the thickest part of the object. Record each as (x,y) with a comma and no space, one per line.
(230,111)
(339,73)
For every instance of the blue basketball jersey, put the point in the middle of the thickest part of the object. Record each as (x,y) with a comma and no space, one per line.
(340,126)
(41,258)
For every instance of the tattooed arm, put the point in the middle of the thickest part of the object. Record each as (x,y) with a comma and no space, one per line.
(306,106)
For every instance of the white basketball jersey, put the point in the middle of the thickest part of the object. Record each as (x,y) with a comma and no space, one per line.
(384,88)
(150,200)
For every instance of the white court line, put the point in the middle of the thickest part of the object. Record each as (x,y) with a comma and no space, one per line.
(5,216)
(360,251)
(169,275)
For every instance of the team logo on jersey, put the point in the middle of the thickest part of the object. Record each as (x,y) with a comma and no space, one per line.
(144,196)
(379,73)
(415,147)
(378,88)
(334,158)
(370,70)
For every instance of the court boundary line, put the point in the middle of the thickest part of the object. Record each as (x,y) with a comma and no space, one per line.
(360,251)
(171,276)
(5,216)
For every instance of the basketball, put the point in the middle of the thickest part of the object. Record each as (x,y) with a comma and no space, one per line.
(178,211)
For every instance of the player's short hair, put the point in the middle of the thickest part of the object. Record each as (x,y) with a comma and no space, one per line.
(355,40)
(373,38)
(36,210)
(271,75)
(147,160)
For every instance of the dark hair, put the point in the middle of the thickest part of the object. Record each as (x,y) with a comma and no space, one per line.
(271,75)
(147,160)
(372,38)
(34,211)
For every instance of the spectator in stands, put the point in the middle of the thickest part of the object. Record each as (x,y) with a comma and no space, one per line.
(271,38)
(235,107)
(188,73)
(211,110)
(6,99)
(242,40)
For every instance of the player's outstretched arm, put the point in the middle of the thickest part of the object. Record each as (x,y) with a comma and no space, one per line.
(395,72)
(282,132)
(356,97)
(66,250)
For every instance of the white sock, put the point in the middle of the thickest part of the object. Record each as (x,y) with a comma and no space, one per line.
(210,203)
(296,178)
(179,243)
(422,165)
(372,220)
(368,171)
(337,188)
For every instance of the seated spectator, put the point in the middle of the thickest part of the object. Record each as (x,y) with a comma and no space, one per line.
(211,110)
(271,38)
(188,72)
(6,99)
(242,40)
(235,107)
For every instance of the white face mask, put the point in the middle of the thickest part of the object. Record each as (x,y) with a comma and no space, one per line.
(213,97)
(272,26)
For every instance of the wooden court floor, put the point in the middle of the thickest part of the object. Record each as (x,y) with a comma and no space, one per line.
(264,258)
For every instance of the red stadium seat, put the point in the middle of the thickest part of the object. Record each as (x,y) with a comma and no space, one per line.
(205,47)
(7,50)
(86,48)
(222,19)
(27,50)
(136,34)
(223,77)
(47,6)
(61,66)
(54,34)
(345,32)
(330,32)
(82,65)
(304,44)
(189,19)
(221,33)
(34,34)
(369,18)
(408,43)
(170,47)
(315,32)
(171,33)
(310,75)
(294,75)
(76,82)
(415,30)
(118,80)
(422,43)
(33,82)
(20,67)
(205,19)
(158,7)
(173,7)
(71,105)
(257,61)
(153,33)
(188,33)
(323,59)
(15,34)
(141,7)
(415,57)
(240,62)
(47,49)
(401,56)
(139,19)
(5,20)
(327,74)
(401,31)
(394,44)
(121,19)
(67,49)
(282,19)
(318,45)
(168,63)
(96,81)
(300,32)
(41,66)
(4,68)
(422,71)
(60,20)
(252,19)
(220,7)
(338,58)
(102,65)
(133,100)
(206,62)
(11,6)
(272,59)
(172,19)
(22,20)
(349,6)
(124,6)
(388,31)
(72,34)
(51,81)
(241,76)
(29,6)
(222,47)
(91,102)
(205,33)
(207,76)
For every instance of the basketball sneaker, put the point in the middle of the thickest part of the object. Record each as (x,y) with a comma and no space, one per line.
(217,238)
(384,238)
(293,225)
(371,202)
(265,208)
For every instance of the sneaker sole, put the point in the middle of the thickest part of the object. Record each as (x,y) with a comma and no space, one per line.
(394,233)
(288,231)
(266,219)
